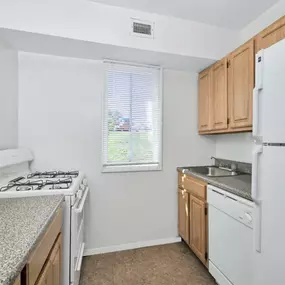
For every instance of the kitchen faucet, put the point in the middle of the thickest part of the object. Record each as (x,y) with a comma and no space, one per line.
(220,164)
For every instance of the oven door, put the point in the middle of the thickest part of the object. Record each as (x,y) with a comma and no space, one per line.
(77,238)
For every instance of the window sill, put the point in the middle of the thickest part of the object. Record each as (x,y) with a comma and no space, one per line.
(132,168)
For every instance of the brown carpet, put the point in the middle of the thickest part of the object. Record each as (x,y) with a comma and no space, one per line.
(172,264)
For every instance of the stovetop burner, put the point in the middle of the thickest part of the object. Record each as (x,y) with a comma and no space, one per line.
(29,185)
(53,174)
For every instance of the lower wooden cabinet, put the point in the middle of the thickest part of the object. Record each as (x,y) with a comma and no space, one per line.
(183,214)
(55,260)
(51,273)
(44,263)
(198,227)
(46,277)
(192,215)
(18,281)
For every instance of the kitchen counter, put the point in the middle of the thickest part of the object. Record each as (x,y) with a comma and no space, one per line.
(239,185)
(23,221)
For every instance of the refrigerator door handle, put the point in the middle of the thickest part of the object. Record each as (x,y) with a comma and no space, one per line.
(257,227)
(255,112)
(254,192)
(255,197)
(259,70)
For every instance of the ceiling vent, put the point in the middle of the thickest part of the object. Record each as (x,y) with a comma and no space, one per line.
(143,29)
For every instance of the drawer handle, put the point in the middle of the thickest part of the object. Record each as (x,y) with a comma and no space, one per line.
(228,197)
(217,192)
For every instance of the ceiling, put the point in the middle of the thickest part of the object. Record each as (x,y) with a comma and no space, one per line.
(51,45)
(233,14)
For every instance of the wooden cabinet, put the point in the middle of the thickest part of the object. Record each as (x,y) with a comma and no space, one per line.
(183,214)
(198,227)
(226,87)
(18,281)
(213,98)
(46,277)
(271,35)
(55,260)
(205,81)
(40,254)
(219,97)
(51,272)
(44,264)
(240,86)
(192,214)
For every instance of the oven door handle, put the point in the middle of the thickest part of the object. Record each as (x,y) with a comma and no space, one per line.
(80,257)
(82,202)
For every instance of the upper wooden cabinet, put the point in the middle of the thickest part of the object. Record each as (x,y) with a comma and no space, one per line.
(240,86)
(271,35)
(205,80)
(219,96)
(226,87)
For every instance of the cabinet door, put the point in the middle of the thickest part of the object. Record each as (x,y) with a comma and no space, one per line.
(204,99)
(18,281)
(198,227)
(46,277)
(183,215)
(241,83)
(55,260)
(219,96)
(271,35)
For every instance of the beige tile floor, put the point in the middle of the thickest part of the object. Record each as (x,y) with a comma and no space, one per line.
(172,264)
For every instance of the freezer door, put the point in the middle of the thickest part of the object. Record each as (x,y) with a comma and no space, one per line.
(269,260)
(269,95)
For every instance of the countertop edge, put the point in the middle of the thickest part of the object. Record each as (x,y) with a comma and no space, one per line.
(20,266)
(216,183)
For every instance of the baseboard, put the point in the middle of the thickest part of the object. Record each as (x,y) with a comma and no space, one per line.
(114,248)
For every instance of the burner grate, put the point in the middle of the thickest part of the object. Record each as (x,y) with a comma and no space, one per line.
(29,185)
(53,174)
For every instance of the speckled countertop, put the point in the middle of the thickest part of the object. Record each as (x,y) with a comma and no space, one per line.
(23,221)
(239,185)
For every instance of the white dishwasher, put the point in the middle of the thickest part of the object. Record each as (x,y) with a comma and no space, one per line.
(230,237)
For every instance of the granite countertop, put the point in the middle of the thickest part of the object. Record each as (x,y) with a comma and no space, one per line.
(23,221)
(239,185)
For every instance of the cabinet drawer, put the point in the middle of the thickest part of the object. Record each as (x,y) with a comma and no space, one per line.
(193,185)
(40,254)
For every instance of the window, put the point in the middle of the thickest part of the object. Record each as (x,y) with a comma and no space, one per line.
(132,118)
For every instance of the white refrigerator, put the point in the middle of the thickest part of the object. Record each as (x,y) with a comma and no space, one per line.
(268,166)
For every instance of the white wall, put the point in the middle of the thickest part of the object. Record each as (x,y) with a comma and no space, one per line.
(234,147)
(61,99)
(93,22)
(263,21)
(8,98)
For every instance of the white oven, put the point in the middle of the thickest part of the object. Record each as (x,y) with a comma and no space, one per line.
(77,238)
(16,173)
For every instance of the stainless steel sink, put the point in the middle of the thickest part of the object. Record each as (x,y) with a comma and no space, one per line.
(212,171)
(215,171)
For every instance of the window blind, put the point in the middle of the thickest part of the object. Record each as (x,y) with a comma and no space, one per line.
(132,118)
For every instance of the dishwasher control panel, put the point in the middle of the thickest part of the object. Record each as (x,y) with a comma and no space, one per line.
(232,205)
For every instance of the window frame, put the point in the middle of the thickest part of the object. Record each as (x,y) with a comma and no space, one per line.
(135,167)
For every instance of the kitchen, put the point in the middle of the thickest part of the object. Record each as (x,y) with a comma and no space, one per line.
(52,64)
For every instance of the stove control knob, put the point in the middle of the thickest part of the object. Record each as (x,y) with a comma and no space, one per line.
(85,182)
(82,187)
(79,194)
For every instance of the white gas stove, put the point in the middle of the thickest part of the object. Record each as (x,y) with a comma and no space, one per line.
(42,183)
(17,179)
